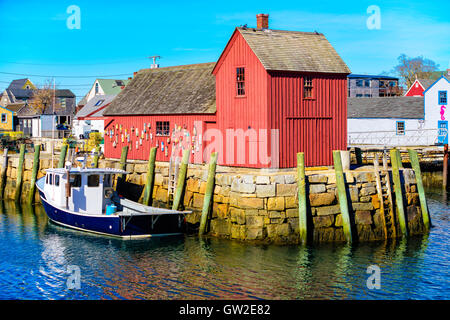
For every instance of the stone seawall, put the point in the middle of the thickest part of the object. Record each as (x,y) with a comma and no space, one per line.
(261,204)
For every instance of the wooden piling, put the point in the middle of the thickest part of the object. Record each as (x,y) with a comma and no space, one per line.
(399,158)
(301,187)
(34,172)
(181,179)
(62,155)
(3,172)
(123,160)
(19,178)
(380,193)
(445,168)
(96,156)
(398,192)
(148,191)
(358,155)
(342,195)
(413,157)
(389,193)
(209,193)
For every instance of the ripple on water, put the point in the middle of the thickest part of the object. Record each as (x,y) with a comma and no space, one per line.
(36,256)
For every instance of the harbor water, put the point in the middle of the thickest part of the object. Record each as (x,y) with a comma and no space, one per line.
(39,260)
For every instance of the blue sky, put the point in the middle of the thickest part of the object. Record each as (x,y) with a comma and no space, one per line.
(116,36)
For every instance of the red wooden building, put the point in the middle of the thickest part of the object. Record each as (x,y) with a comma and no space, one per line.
(271,94)
(418,87)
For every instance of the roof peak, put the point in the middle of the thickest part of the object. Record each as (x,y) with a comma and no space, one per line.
(268,31)
(180,67)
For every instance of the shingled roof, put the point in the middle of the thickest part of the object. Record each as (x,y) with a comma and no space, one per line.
(293,51)
(386,107)
(95,107)
(170,90)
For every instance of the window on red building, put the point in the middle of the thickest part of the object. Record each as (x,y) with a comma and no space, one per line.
(307,87)
(162,128)
(240,81)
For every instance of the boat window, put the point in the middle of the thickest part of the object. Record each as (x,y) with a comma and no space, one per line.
(93,180)
(46,179)
(107,180)
(75,180)
(50,181)
(56,180)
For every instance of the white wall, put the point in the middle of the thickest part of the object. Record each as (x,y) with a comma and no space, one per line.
(432,107)
(417,132)
(383,132)
(83,126)
(92,94)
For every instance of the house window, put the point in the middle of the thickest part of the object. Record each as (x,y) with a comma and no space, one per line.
(359,83)
(367,95)
(63,102)
(307,87)
(240,81)
(96,88)
(400,127)
(162,128)
(442,98)
(4,117)
(99,102)
(359,95)
(366,83)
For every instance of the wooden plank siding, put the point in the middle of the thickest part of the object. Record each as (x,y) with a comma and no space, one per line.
(241,113)
(314,126)
(127,122)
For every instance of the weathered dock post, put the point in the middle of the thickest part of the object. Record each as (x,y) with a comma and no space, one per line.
(96,156)
(380,192)
(398,191)
(19,178)
(302,208)
(445,167)
(62,155)
(399,158)
(208,193)
(181,179)
(3,171)
(423,200)
(358,156)
(342,195)
(148,191)
(123,160)
(34,172)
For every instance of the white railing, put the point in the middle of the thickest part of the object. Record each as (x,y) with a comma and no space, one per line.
(420,137)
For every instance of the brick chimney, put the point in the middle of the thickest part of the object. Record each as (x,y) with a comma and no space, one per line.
(262,21)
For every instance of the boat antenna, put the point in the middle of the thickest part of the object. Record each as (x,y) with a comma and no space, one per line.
(53,121)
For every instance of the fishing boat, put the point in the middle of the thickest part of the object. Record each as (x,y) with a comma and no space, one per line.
(85,199)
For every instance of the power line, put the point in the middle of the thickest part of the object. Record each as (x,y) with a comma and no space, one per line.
(61,85)
(74,77)
(72,64)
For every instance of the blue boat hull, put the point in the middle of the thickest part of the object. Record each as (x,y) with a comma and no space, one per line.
(113,225)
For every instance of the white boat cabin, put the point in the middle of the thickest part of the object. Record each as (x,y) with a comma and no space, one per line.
(89,190)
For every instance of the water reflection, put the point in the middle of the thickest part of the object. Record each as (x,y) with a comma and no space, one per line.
(36,255)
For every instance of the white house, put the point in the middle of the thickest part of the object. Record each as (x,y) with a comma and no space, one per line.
(103,87)
(90,117)
(436,107)
(401,121)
